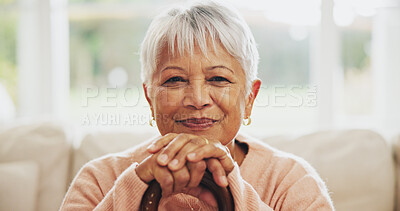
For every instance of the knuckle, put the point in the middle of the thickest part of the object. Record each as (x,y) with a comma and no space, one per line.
(199,152)
(222,148)
(171,134)
(152,160)
(200,166)
(166,150)
(200,140)
(183,135)
(183,177)
(166,181)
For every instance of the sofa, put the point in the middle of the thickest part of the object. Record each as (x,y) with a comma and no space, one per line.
(39,160)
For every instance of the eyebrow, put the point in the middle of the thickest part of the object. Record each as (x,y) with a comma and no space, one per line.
(209,68)
(172,67)
(219,66)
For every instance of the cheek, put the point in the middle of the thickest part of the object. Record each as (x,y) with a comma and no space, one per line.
(166,105)
(230,100)
(168,98)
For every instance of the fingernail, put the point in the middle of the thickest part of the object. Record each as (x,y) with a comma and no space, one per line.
(223,180)
(163,158)
(174,162)
(192,155)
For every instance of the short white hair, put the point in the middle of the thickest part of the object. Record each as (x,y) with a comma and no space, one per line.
(197,24)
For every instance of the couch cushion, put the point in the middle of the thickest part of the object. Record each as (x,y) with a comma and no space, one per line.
(18,185)
(357,166)
(46,145)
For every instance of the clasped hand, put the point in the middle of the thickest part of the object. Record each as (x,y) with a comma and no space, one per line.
(178,163)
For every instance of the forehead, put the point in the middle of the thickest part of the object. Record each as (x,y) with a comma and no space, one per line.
(213,53)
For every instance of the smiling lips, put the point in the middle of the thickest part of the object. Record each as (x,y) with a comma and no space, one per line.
(198,123)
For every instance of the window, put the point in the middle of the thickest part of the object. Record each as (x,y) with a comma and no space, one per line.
(8,49)
(8,59)
(287,100)
(356,99)
(105,36)
(356,64)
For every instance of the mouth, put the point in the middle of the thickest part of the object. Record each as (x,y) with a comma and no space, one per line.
(197,123)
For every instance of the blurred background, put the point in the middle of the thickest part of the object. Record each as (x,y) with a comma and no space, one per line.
(325,64)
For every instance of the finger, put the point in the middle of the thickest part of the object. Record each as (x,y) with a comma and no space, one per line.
(196,170)
(181,179)
(159,143)
(213,151)
(179,159)
(174,146)
(166,180)
(145,169)
(218,172)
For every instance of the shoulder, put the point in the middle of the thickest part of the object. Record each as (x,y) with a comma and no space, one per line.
(118,162)
(274,157)
(106,169)
(274,174)
(279,168)
(97,177)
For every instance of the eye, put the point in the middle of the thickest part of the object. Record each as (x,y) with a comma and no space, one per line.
(174,80)
(218,79)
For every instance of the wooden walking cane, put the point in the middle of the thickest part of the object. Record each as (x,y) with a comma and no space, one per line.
(152,196)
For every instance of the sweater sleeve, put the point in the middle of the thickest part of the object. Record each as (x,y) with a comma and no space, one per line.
(296,191)
(244,195)
(97,188)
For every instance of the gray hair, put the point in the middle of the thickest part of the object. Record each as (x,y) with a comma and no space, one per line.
(204,21)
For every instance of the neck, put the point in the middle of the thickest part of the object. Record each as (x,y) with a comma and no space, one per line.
(236,151)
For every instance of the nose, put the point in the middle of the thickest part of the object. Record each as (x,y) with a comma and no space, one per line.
(197,96)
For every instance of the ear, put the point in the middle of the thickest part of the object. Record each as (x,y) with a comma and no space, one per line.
(255,87)
(146,91)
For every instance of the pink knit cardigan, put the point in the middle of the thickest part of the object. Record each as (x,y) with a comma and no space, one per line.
(268,179)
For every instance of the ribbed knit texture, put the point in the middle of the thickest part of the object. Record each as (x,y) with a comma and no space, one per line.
(268,179)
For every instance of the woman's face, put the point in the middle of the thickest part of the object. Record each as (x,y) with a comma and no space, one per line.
(200,95)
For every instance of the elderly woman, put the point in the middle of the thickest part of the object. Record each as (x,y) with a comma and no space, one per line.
(199,70)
